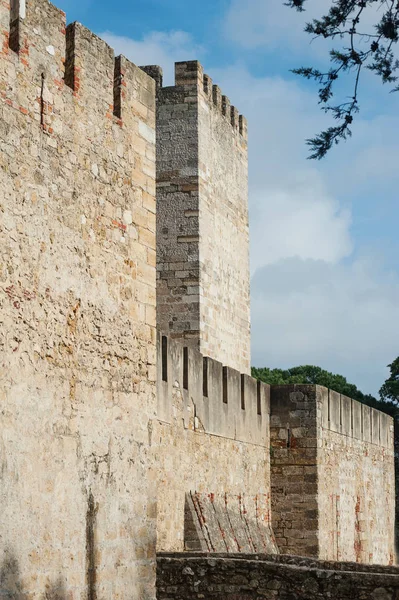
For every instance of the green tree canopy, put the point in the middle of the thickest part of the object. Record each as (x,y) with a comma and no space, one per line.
(389,392)
(309,374)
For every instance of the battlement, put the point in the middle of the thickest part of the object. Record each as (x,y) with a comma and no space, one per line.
(64,63)
(295,417)
(217,400)
(349,417)
(328,452)
(190,80)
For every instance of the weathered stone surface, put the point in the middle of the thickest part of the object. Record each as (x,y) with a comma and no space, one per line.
(77,313)
(332,476)
(212,455)
(202,219)
(256,577)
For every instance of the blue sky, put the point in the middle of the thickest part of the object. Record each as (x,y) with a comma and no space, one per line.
(324,236)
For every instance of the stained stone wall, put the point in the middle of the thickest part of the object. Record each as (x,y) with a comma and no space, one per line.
(211,442)
(251,577)
(77,313)
(202,218)
(332,476)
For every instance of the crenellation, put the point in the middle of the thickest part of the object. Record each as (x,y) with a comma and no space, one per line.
(312,427)
(125,214)
(208,87)
(220,411)
(226,107)
(189,73)
(234,117)
(217,97)
(156,73)
(243,126)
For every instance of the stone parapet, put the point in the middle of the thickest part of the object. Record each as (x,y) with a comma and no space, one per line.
(195,576)
(218,400)
(332,476)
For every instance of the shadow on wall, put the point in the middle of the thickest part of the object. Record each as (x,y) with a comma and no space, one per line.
(11,587)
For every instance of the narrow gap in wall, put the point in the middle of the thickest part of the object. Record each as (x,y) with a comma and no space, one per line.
(14,39)
(288,438)
(225,391)
(340,412)
(259,397)
(42,101)
(69,75)
(328,406)
(205,377)
(164,358)
(118,77)
(371,424)
(243,392)
(361,422)
(379,428)
(352,419)
(205,84)
(185,368)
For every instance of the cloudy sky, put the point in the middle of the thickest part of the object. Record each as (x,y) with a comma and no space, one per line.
(325,244)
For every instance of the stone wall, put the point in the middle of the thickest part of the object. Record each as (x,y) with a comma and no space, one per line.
(191,577)
(356,477)
(202,218)
(77,312)
(332,476)
(211,440)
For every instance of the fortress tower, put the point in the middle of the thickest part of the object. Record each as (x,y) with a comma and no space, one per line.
(202,218)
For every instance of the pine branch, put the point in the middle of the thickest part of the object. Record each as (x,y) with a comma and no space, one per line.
(374,50)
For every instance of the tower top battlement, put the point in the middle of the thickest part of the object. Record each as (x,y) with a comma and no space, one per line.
(190,74)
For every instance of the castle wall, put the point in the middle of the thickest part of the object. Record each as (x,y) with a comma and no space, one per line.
(202,219)
(77,311)
(356,482)
(224,230)
(212,446)
(223,577)
(332,476)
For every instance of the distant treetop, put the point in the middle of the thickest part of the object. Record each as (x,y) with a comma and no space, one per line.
(309,374)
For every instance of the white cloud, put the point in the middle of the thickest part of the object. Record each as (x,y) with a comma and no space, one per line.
(274,26)
(292,212)
(256,23)
(156,48)
(343,318)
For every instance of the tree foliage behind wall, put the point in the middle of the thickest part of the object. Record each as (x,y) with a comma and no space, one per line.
(309,374)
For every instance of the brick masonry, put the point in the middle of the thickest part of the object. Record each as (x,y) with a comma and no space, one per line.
(77,313)
(202,218)
(252,577)
(332,476)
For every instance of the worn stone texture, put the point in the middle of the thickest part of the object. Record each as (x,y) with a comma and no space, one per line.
(259,577)
(211,452)
(77,313)
(332,476)
(202,219)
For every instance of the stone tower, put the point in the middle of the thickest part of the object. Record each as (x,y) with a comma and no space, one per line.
(202,218)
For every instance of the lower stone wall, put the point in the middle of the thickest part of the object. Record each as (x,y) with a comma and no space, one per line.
(191,577)
(332,476)
(356,500)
